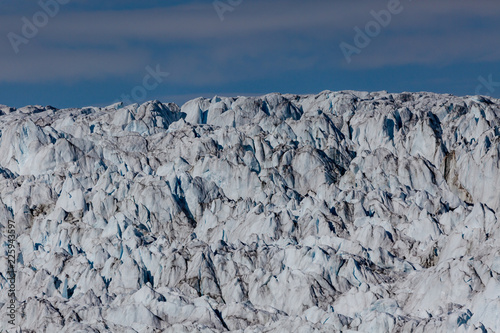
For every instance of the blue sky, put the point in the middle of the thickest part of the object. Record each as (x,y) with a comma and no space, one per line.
(96,52)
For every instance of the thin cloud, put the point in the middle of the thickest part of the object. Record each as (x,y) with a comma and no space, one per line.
(256,38)
(69,65)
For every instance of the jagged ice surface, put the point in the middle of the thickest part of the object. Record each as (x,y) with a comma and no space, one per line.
(343,211)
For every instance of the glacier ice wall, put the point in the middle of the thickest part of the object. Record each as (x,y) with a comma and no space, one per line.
(369,212)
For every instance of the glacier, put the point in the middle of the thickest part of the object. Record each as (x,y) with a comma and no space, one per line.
(337,212)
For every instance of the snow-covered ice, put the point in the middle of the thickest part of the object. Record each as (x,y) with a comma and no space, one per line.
(337,212)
